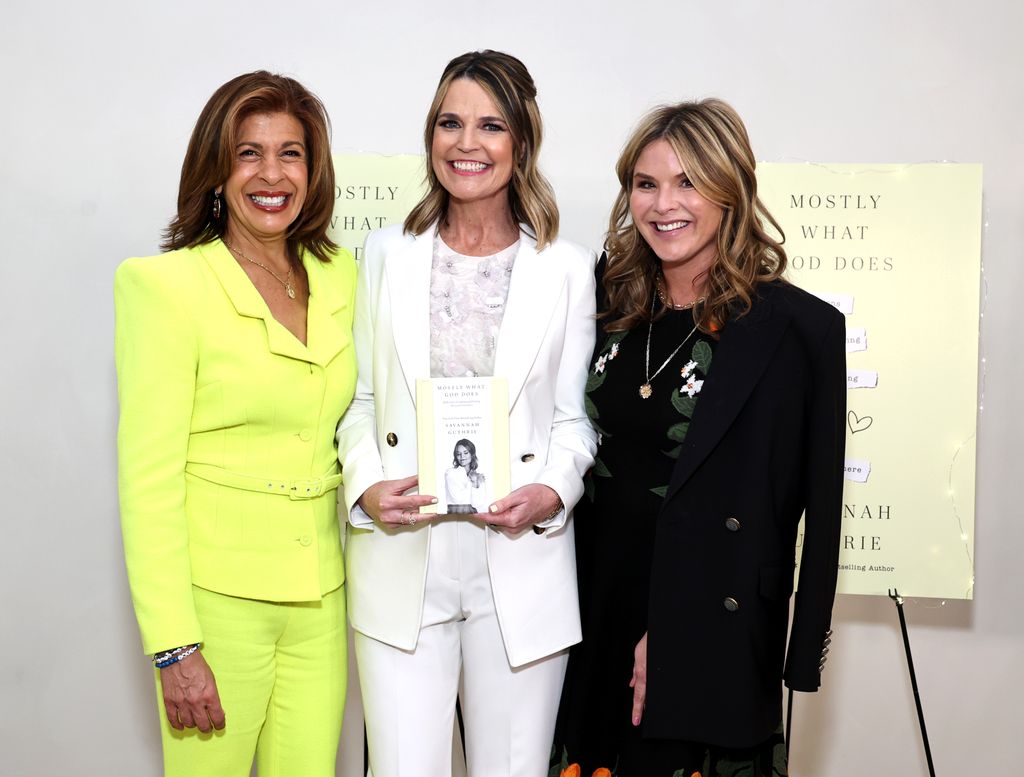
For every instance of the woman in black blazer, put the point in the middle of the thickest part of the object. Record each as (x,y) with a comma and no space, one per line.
(718,390)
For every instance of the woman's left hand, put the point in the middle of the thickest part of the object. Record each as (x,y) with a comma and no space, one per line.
(639,681)
(522,508)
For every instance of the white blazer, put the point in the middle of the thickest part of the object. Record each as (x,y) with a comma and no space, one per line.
(544,349)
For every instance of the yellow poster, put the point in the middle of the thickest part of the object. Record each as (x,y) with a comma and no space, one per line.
(372,191)
(896,248)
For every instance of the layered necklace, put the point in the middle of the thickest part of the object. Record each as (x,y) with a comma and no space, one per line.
(645,388)
(286,281)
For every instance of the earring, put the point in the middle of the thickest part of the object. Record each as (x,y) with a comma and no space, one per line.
(216,206)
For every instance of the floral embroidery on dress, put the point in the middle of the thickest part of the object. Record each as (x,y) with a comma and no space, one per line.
(608,352)
(694,373)
(718,762)
(563,768)
(684,400)
(692,386)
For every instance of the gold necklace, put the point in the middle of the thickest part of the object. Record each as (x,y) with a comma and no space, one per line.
(645,387)
(286,281)
(666,300)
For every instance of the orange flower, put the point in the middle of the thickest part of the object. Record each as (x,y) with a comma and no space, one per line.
(602,772)
(572,770)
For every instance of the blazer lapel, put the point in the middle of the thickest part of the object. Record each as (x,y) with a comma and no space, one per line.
(408,284)
(534,289)
(743,353)
(236,284)
(248,302)
(324,337)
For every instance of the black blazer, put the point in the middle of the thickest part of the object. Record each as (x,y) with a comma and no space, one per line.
(766,443)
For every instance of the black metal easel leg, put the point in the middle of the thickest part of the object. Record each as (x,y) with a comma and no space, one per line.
(895,596)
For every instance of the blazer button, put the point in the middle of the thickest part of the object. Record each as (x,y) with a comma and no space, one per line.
(730,604)
(732,524)
(392,439)
(526,457)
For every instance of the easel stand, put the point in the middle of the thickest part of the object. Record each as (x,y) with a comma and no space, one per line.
(898,600)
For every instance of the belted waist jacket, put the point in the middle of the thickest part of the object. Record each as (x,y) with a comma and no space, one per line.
(227,467)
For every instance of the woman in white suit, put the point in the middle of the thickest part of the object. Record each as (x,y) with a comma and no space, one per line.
(479,606)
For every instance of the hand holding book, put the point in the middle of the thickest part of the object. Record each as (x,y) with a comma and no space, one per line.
(525,507)
(387,502)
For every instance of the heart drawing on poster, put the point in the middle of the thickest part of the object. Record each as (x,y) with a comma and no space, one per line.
(858,423)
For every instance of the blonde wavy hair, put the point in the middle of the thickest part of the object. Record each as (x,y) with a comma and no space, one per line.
(509,84)
(712,146)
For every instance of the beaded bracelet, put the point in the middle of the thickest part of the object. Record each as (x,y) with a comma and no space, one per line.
(164,660)
(164,655)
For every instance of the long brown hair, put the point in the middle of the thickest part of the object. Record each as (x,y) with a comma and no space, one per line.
(509,84)
(712,146)
(210,157)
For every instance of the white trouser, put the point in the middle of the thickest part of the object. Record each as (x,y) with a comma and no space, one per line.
(409,695)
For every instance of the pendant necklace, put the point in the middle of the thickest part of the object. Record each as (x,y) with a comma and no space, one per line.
(645,388)
(286,281)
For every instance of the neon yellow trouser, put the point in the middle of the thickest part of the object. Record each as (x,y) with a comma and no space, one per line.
(281,672)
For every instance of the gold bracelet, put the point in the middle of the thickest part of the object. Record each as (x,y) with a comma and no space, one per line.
(558,508)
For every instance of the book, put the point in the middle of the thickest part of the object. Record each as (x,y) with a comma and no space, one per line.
(462,443)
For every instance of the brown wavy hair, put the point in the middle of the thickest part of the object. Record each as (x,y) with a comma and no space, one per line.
(211,153)
(510,85)
(712,146)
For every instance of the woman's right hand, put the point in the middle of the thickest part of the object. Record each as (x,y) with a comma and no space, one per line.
(190,695)
(387,503)
(639,680)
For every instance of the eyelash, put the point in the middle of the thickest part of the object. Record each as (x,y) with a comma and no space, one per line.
(685,183)
(251,153)
(453,124)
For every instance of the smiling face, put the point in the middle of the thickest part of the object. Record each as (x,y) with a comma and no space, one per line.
(678,223)
(472,151)
(267,187)
(462,455)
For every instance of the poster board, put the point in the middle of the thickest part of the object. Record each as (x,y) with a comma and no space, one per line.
(897,249)
(372,191)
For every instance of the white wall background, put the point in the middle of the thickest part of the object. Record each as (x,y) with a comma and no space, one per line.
(98,103)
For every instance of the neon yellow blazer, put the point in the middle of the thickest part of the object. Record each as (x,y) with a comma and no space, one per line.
(226,438)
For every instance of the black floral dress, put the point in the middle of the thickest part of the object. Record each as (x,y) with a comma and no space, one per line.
(640,440)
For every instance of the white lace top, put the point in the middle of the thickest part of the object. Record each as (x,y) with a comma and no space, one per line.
(467,303)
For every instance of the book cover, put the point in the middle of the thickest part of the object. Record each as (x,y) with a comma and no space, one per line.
(462,443)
